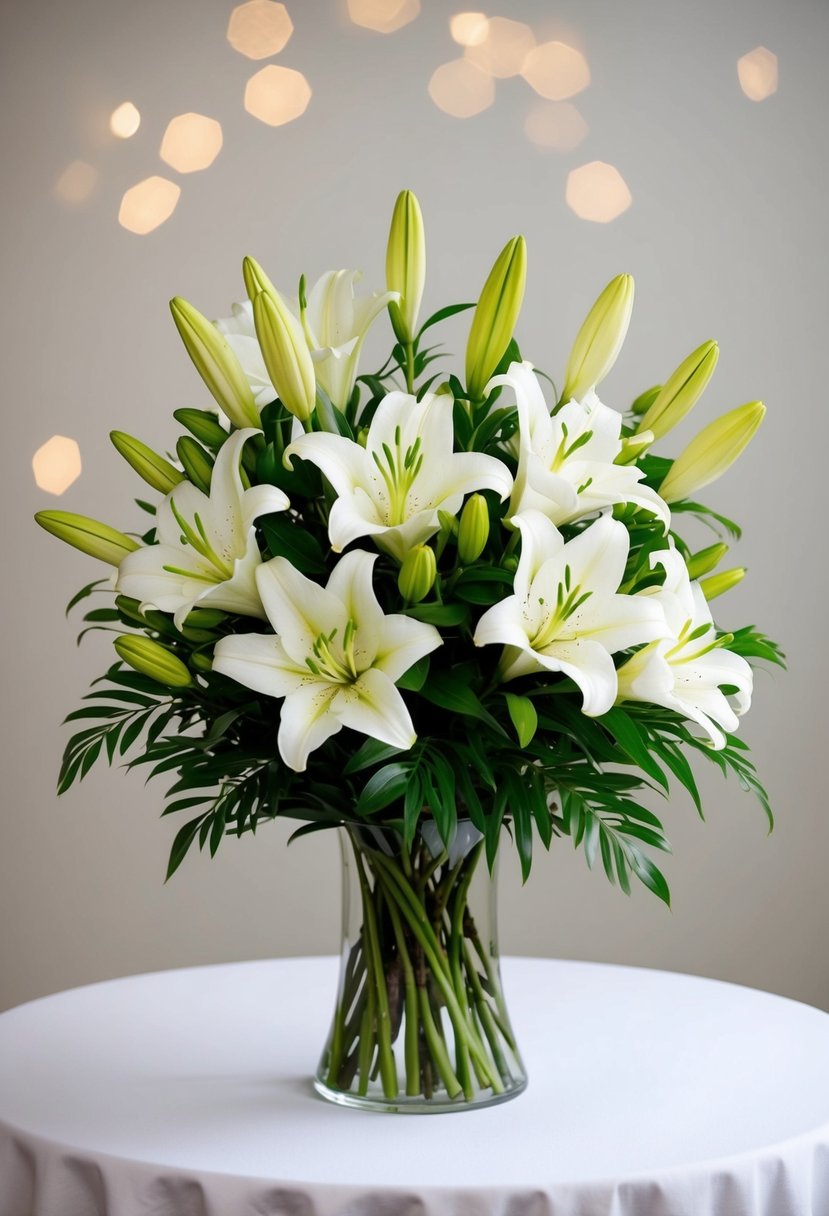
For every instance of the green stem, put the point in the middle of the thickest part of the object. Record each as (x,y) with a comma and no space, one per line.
(410,367)
(437,1047)
(388,1071)
(412,1032)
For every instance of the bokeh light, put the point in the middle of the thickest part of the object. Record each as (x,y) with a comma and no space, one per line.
(504,49)
(383,16)
(461,89)
(277,95)
(469,29)
(556,70)
(57,464)
(148,204)
(757,73)
(125,120)
(259,29)
(77,182)
(191,142)
(597,192)
(555,125)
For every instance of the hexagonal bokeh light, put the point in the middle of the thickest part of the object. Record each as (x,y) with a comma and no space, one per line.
(277,95)
(461,89)
(504,49)
(56,464)
(148,204)
(469,29)
(555,125)
(757,73)
(125,120)
(259,28)
(191,142)
(77,182)
(597,192)
(383,16)
(556,70)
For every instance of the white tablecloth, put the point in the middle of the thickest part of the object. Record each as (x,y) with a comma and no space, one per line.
(187,1093)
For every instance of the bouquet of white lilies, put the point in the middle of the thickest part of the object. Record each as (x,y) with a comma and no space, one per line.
(413,598)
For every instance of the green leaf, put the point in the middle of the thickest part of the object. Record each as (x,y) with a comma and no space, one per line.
(647,872)
(442,314)
(84,592)
(184,838)
(627,734)
(371,752)
(285,538)
(414,679)
(382,788)
(438,614)
(524,717)
(450,690)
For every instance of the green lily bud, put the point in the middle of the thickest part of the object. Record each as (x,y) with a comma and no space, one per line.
(417,574)
(286,355)
(718,584)
(712,452)
(203,425)
(216,363)
(473,529)
(205,618)
(645,400)
(406,265)
(153,660)
(495,316)
(88,535)
(154,469)
(256,280)
(600,338)
(197,464)
(633,446)
(705,561)
(681,391)
(130,608)
(201,661)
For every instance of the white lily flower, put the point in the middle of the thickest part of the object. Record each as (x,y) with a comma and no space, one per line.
(393,488)
(240,333)
(686,670)
(565,614)
(336,323)
(334,657)
(566,460)
(206,551)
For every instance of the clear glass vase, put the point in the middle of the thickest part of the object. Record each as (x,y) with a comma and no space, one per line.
(420,1023)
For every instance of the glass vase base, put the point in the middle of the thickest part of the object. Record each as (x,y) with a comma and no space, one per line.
(417,1105)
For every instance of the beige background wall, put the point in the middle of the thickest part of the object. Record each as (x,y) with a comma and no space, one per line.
(726,238)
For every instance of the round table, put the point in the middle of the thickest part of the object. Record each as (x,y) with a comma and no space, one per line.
(187,1093)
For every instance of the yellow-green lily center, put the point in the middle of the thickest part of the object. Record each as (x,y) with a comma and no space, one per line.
(398,467)
(569,599)
(195,535)
(337,664)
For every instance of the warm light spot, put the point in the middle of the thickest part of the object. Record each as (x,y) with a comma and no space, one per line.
(460,89)
(503,51)
(556,70)
(77,182)
(597,192)
(125,120)
(555,124)
(383,16)
(57,464)
(148,204)
(757,72)
(259,28)
(469,29)
(277,95)
(191,142)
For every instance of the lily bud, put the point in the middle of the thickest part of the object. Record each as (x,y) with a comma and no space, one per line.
(633,446)
(201,661)
(645,400)
(205,618)
(713,451)
(154,469)
(216,363)
(88,535)
(681,391)
(417,574)
(473,529)
(286,355)
(705,561)
(600,338)
(256,280)
(495,316)
(196,463)
(204,425)
(406,265)
(718,584)
(153,660)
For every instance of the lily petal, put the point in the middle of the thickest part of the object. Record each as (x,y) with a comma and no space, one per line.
(342,461)
(298,608)
(306,722)
(260,661)
(401,642)
(589,665)
(373,706)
